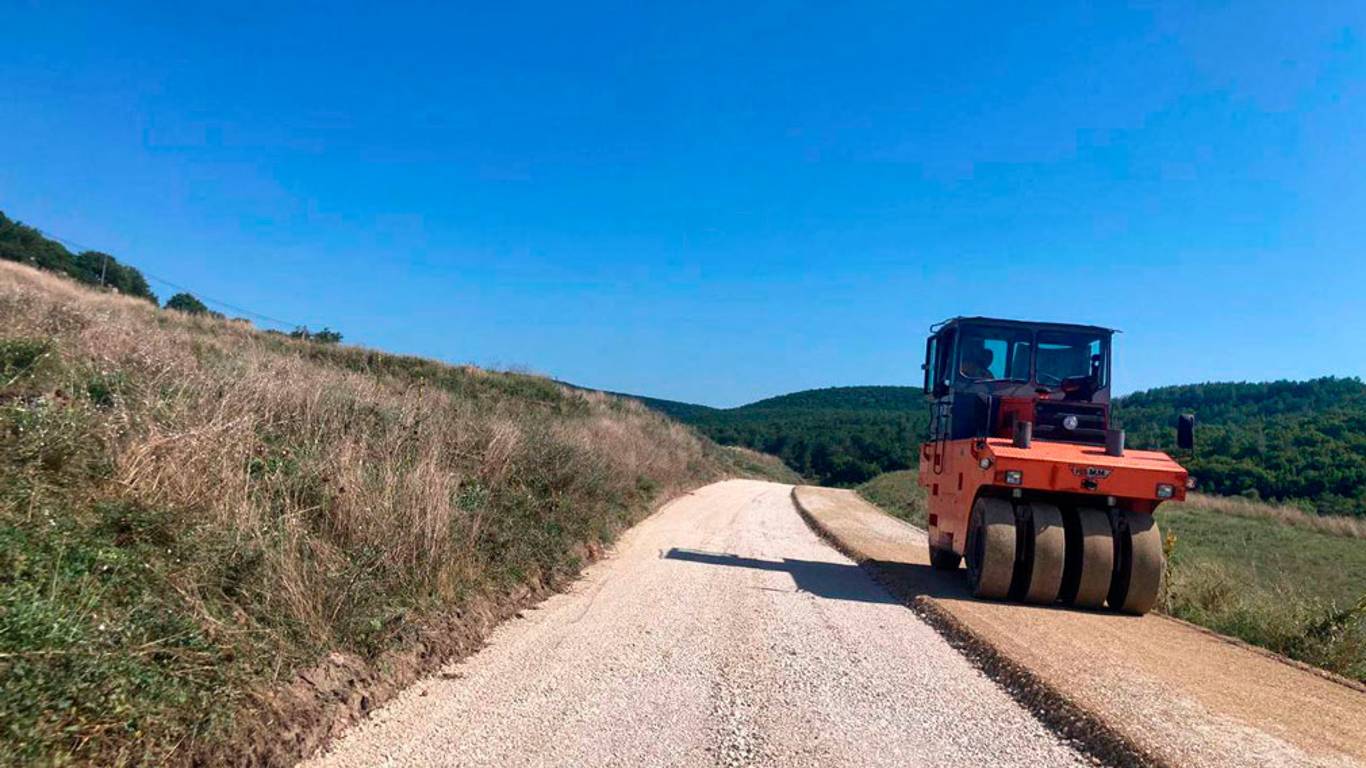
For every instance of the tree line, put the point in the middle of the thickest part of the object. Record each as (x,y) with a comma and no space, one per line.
(1297,442)
(27,245)
(837,436)
(1293,441)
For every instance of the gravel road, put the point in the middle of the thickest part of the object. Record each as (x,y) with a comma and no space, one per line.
(722,631)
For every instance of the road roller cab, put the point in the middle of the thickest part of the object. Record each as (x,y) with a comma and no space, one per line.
(1025,475)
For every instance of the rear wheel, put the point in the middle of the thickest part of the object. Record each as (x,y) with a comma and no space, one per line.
(1049,546)
(944,559)
(1138,568)
(1090,558)
(991,548)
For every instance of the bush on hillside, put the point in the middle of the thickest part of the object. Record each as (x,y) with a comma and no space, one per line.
(325,336)
(189,304)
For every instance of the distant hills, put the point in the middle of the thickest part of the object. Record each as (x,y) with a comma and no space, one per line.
(1289,441)
(836,436)
(1281,440)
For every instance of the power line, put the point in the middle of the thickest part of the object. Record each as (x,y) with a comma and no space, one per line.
(68,243)
(178,287)
(221,303)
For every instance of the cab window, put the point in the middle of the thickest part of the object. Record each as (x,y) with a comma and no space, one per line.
(987,354)
(939,362)
(1069,355)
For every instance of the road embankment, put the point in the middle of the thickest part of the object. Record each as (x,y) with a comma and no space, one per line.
(1147,690)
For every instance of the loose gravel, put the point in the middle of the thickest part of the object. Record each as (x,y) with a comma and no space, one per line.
(721,632)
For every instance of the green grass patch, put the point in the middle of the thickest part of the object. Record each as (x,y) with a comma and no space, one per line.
(1269,553)
(95,649)
(22,360)
(899,494)
(100,657)
(1301,593)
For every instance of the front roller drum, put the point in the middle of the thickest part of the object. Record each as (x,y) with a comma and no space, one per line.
(1090,561)
(991,548)
(1139,565)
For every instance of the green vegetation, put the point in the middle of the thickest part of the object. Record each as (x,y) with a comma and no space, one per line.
(760,465)
(325,336)
(27,245)
(192,513)
(898,493)
(839,436)
(187,303)
(1296,591)
(1288,441)
(1297,442)
(1272,576)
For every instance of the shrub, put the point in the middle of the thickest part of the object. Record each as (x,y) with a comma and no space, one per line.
(187,303)
(325,336)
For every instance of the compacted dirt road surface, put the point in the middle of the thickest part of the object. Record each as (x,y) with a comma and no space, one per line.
(722,631)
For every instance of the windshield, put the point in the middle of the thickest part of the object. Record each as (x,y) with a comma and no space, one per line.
(985,354)
(1069,354)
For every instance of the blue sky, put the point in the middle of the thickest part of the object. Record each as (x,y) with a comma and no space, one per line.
(717,202)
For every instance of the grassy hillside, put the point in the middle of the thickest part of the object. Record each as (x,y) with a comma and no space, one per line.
(1273,576)
(1301,442)
(194,514)
(898,493)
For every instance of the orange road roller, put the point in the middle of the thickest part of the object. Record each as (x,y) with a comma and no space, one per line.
(1025,476)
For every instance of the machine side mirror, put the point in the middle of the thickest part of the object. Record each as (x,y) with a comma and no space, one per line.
(1185,431)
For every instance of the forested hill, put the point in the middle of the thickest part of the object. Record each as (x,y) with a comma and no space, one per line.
(837,436)
(1279,440)
(846,399)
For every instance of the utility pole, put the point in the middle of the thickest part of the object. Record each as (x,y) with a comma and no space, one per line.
(104,267)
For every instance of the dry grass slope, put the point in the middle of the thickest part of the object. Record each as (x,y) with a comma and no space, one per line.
(1335,525)
(193,512)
